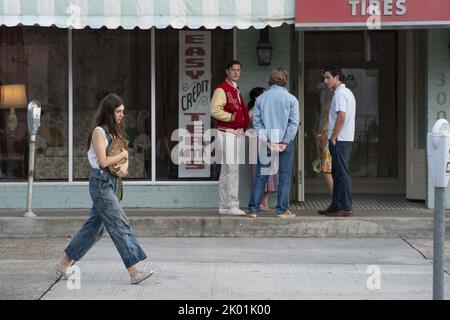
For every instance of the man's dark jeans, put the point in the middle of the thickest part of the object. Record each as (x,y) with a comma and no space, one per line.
(342,183)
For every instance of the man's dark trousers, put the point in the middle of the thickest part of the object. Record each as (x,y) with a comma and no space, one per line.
(342,183)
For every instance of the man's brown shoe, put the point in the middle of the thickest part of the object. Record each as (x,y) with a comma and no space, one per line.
(340,213)
(325,212)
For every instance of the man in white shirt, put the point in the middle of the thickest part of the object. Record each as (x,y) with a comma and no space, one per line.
(341,134)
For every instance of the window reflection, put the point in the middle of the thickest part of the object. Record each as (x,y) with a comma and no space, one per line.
(375,149)
(113,61)
(33,66)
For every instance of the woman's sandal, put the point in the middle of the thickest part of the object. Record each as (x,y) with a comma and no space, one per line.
(265,209)
(140,276)
(62,272)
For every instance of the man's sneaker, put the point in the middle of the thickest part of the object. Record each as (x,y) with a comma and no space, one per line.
(286,214)
(235,211)
(223,211)
(252,215)
(140,276)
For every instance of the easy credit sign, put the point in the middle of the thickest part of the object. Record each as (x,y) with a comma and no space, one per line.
(371,14)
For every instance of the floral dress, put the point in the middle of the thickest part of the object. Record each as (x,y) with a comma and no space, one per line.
(325,156)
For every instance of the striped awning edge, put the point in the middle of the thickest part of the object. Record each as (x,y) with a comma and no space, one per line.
(146,14)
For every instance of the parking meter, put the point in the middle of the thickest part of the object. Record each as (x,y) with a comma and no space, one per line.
(34,122)
(438,151)
(34,117)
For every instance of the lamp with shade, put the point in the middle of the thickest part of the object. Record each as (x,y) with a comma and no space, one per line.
(12,97)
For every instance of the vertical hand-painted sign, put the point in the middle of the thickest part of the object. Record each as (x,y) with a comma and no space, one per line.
(194,99)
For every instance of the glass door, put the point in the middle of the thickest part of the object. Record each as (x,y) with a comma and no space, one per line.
(369,62)
(416,100)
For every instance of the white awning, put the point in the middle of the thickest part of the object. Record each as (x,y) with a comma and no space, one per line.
(145,14)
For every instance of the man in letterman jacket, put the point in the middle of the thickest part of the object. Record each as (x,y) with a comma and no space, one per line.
(229,109)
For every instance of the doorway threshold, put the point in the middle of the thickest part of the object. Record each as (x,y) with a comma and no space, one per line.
(362,202)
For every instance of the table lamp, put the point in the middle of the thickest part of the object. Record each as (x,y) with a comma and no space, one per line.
(12,97)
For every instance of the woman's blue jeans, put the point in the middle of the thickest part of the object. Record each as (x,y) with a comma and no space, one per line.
(106,213)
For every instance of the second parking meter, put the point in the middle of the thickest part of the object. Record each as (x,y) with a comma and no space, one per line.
(34,122)
(438,151)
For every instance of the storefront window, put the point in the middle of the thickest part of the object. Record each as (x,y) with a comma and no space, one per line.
(33,66)
(113,61)
(370,65)
(168,104)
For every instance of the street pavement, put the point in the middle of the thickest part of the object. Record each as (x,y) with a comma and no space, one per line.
(228,269)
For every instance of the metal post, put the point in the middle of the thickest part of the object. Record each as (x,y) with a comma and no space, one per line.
(438,243)
(29,213)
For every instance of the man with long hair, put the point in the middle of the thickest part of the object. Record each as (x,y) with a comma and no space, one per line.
(276,120)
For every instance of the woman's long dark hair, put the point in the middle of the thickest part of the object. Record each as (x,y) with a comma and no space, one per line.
(254,93)
(105,116)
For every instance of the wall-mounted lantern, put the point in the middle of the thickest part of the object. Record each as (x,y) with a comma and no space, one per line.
(264,48)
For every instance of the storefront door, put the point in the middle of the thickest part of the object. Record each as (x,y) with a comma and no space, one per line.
(369,61)
(416,106)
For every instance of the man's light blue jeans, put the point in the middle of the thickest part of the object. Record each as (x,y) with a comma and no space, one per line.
(286,160)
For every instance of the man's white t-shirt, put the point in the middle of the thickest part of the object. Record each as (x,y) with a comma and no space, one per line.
(343,100)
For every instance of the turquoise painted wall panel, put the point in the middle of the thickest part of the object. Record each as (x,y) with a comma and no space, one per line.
(438,88)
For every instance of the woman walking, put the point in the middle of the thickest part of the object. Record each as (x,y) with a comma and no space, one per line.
(106,212)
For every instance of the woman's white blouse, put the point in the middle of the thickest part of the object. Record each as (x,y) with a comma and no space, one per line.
(92,157)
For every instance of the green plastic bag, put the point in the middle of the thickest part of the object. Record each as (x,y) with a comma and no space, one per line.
(119,189)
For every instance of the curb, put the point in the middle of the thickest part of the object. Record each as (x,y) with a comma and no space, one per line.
(235,227)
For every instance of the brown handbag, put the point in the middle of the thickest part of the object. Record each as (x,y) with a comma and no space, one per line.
(116,147)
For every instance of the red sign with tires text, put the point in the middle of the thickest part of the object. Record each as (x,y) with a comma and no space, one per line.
(371,14)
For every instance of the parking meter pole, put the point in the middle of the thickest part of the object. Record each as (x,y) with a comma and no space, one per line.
(438,154)
(438,243)
(33,122)
(29,213)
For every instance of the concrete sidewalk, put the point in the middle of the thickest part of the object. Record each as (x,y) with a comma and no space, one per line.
(242,269)
(207,223)
(224,268)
